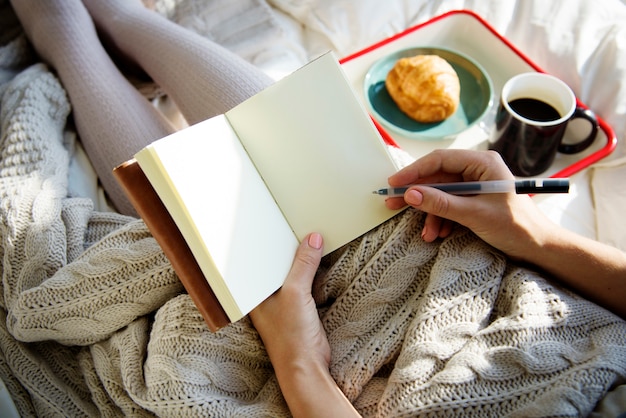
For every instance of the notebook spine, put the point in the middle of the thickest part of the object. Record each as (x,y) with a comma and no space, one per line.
(163,228)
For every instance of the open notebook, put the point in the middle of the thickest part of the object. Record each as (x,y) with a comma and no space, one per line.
(245,187)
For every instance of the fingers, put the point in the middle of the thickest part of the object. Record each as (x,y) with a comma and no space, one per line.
(485,214)
(447,166)
(442,208)
(436,227)
(453,165)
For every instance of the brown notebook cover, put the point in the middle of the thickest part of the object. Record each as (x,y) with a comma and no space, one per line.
(163,228)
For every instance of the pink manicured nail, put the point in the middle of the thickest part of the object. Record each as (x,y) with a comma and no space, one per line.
(315,240)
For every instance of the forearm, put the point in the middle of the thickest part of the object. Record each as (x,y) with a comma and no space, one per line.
(592,269)
(289,325)
(310,391)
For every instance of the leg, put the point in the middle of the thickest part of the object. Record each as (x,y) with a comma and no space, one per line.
(113,120)
(202,78)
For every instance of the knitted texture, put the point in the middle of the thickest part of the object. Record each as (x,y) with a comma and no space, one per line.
(95,322)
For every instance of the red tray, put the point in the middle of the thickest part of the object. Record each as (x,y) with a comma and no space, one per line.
(469,34)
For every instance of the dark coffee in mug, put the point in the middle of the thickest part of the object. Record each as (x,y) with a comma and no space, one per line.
(531,121)
(534,109)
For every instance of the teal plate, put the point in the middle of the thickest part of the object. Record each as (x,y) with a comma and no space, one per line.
(476,96)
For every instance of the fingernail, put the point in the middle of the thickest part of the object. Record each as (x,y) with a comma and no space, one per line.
(413,197)
(315,240)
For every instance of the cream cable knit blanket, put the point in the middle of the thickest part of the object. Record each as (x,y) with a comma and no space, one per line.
(95,322)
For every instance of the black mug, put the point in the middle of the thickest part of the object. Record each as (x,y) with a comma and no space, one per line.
(532,117)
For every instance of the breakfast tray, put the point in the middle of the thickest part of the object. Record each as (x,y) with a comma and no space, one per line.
(466,32)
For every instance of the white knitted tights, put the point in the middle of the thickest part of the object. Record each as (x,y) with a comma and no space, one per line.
(113,120)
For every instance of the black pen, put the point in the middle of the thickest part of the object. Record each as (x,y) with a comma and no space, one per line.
(532,186)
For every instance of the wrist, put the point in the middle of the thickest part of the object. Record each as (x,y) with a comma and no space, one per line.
(310,390)
(545,244)
(531,232)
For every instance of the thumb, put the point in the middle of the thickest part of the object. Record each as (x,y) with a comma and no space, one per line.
(306,261)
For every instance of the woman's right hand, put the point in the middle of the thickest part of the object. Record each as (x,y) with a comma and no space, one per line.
(507,221)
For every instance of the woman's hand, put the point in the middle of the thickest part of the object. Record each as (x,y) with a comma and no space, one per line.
(296,342)
(506,220)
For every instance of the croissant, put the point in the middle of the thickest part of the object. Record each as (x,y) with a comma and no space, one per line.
(425,87)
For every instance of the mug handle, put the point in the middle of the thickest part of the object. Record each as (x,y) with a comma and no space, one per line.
(584,113)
